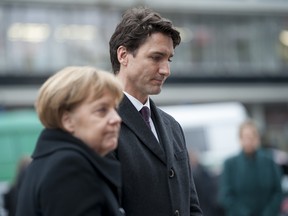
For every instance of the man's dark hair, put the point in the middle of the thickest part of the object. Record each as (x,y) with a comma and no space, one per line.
(136,25)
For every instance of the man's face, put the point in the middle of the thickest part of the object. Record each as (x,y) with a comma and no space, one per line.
(148,68)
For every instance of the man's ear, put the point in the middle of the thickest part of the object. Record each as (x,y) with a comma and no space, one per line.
(67,122)
(122,55)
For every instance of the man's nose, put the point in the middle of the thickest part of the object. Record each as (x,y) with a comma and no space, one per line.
(165,68)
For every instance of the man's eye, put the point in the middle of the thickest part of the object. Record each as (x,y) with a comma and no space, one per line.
(156,58)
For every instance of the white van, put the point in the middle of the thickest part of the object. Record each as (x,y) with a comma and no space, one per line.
(211,130)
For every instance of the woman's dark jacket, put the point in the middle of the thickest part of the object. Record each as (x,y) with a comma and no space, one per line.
(66,177)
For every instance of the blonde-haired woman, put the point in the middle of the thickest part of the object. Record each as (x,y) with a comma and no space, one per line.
(69,174)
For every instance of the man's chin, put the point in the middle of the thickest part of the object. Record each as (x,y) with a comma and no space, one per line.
(155,91)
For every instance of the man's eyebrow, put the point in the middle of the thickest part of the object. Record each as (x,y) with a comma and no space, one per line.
(162,54)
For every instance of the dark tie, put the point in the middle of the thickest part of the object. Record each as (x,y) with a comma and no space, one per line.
(145,112)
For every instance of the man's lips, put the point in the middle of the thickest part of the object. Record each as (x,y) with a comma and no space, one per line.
(158,81)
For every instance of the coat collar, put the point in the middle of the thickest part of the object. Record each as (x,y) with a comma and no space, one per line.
(133,120)
(53,140)
(251,157)
(165,131)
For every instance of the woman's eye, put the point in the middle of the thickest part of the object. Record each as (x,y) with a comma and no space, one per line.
(101,111)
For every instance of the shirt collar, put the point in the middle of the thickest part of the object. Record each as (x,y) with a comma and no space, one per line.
(138,105)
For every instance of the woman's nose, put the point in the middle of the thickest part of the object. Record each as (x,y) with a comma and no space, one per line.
(115,118)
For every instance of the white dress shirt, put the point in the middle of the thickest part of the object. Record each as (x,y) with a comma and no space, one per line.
(138,105)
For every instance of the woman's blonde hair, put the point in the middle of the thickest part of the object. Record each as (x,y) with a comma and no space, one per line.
(69,87)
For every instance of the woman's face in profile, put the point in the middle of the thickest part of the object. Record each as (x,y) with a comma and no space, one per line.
(96,123)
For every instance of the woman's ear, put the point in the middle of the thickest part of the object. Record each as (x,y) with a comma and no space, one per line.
(67,122)
(122,55)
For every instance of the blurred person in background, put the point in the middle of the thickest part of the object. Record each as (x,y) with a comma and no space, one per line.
(157,179)
(206,185)
(10,197)
(251,181)
(69,174)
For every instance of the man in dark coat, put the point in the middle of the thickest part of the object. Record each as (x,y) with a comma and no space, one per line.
(157,179)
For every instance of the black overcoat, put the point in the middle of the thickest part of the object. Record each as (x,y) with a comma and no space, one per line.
(66,178)
(156,176)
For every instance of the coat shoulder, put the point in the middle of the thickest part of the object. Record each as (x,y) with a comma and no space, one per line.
(167,117)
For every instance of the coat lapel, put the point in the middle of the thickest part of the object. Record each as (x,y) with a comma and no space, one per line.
(133,120)
(164,131)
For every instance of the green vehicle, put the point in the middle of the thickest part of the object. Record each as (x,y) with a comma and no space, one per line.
(19,131)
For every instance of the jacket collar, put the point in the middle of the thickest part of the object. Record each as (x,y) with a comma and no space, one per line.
(53,140)
(133,120)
